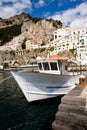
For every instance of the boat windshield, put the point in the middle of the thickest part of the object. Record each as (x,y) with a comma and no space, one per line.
(46,66)
(53,66)
(40,66)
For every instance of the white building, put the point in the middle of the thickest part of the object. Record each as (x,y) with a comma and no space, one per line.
(82,49)
(70,38)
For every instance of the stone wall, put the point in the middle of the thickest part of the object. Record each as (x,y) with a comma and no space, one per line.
(72,112)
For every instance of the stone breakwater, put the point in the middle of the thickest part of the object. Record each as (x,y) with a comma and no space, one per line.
(72,112)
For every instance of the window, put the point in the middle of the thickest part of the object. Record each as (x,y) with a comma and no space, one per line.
(81,50)
(53,66)
(46,66)
(78,32)
(73,44)
(82,41)
(40,66)
(55,36)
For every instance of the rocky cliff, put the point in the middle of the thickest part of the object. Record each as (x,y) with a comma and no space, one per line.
(33,31)
(15,20)
(36,30)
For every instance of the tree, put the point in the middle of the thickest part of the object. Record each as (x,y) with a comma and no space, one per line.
(23,44)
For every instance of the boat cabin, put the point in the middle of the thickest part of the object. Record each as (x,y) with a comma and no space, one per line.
(1,67)
(53,66)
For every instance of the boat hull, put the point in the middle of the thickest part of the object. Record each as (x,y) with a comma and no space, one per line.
(37,86)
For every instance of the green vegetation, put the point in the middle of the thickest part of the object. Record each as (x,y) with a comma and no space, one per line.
(12,53)
(42,49)
(6,34)
(38,50)
(51,48)
(5,65)
(72,51)
(56,23)
(35,20)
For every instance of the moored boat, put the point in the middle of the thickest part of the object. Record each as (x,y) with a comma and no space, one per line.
(51,79)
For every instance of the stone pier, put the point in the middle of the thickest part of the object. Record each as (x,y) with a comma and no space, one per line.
(72,112)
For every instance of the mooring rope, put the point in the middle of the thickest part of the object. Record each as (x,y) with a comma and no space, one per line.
(9,77)
(6,78)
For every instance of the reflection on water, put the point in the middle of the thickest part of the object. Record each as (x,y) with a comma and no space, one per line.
(17,114)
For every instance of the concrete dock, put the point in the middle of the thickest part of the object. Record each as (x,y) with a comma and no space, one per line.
(72,111)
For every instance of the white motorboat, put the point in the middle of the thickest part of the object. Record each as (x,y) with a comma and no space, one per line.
(51,79)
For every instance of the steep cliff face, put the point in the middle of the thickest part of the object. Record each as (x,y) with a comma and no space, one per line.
(15,20)
(39,33)
(33,31)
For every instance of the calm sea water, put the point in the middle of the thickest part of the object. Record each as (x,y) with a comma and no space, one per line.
(17,114)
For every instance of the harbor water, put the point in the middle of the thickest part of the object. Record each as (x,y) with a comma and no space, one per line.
(17,114)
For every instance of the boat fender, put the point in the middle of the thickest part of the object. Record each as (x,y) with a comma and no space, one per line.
(81,79)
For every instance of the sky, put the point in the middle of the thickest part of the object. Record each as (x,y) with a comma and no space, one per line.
(72,13)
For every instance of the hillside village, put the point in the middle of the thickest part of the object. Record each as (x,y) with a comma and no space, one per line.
(71,39)
(37,38)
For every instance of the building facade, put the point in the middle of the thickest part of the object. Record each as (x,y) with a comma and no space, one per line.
(69,38)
